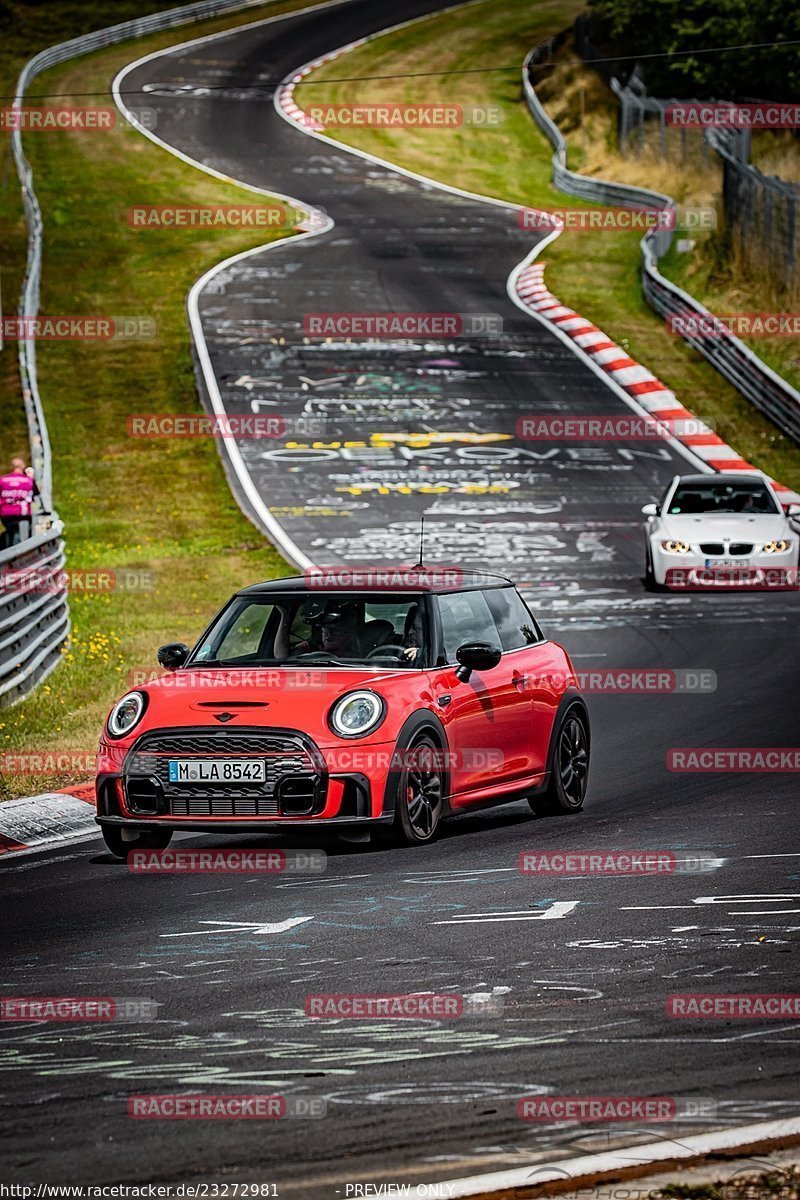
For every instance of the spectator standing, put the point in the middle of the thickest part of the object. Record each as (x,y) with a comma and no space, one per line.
(17,491)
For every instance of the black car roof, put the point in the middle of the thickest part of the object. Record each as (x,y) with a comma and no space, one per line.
(398,580)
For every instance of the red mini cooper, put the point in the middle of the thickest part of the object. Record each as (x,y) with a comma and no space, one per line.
(346,708)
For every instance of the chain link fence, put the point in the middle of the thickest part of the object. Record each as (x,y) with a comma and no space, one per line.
(760,214)
(760,210)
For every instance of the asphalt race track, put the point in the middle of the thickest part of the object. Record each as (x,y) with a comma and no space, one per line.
(580,968)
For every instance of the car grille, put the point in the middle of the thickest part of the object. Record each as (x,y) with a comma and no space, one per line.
(735,549)
(292,784)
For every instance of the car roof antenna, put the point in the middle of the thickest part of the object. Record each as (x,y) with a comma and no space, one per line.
(421,541)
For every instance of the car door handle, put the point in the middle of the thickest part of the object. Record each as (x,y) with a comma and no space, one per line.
(443,701)
(520,681)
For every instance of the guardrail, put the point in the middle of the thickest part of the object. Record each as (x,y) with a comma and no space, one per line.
(32,628)
(34,621)
(771,394)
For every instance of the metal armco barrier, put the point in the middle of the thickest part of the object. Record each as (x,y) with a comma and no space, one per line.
(34,621)
(776,398)
(34,625)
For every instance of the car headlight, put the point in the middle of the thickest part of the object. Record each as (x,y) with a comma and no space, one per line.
(357,713)
(673,547)
(126,714)
(780,546)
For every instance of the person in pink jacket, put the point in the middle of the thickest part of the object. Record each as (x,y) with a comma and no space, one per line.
(17,491)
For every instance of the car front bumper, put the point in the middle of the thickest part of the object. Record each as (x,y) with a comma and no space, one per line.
(303,785)
(753,572)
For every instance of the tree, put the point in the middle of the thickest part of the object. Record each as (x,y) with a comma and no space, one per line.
(682,29)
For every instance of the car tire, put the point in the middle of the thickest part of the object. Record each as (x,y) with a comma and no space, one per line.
(569,768)
(146,839)
(419,792)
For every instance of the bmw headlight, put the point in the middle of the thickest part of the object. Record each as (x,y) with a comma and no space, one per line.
(356,713)
(673,547)
(781,546)
(126,714)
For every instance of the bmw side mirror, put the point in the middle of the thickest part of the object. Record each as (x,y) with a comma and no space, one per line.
(792,510)
(650,510)
(476,656)
(173,655)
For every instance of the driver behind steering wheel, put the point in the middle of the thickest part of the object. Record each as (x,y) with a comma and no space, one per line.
(334,630)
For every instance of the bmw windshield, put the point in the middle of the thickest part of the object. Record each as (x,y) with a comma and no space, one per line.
(716,497)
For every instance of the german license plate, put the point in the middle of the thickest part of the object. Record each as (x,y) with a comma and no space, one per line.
(217,770)
(725,562)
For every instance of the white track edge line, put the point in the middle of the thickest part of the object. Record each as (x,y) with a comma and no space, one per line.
(274,529)
(693,1146)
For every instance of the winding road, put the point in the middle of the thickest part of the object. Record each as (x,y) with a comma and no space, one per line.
(581,966)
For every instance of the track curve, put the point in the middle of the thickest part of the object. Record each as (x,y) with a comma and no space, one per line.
(584,992)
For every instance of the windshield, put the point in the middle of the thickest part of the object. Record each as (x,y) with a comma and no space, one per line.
(317,628)
(717,497)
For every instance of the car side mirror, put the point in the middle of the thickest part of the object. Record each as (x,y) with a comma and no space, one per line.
(650,510)
(173,655)
(476,656)
(792,510)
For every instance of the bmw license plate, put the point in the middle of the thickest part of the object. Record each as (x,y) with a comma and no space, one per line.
(725,562)
(217,770)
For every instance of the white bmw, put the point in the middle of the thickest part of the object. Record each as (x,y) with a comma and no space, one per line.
(720,531)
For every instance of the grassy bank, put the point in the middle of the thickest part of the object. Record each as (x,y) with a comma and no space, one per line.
(711,268)
(158,505)
(598,275)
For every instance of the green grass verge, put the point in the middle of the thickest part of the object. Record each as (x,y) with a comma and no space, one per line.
(597,275)
(160,505)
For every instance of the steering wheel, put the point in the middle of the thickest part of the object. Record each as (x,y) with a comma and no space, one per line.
(390,649)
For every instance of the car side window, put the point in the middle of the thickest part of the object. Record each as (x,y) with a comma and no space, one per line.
(466,617)
(515,624)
